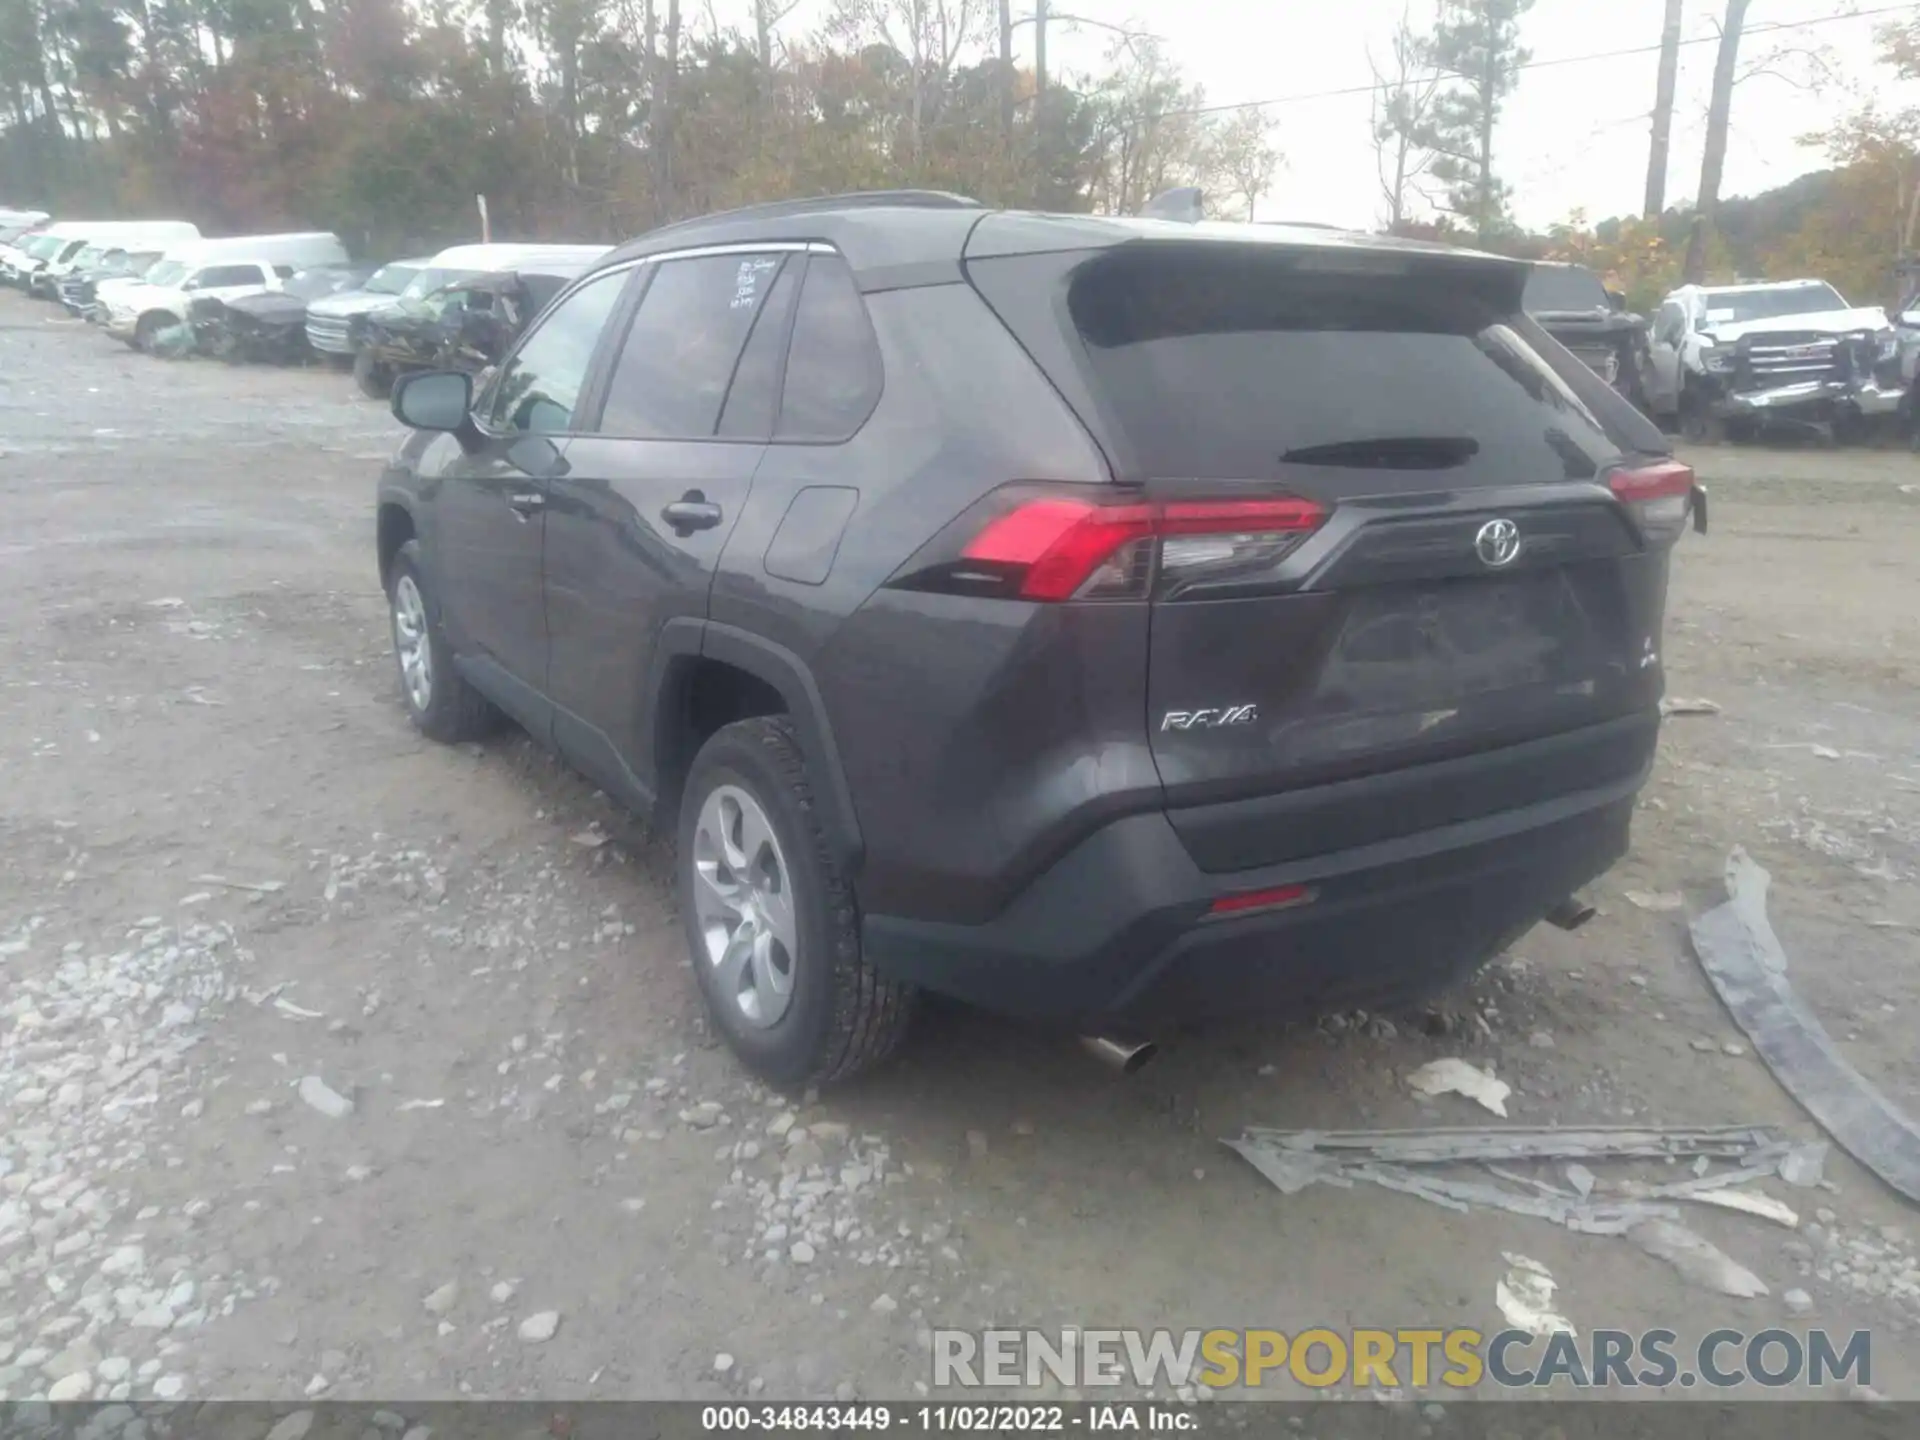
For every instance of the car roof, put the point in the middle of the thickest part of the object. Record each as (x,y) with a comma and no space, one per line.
(507,254)
(1747,285)
(894,239)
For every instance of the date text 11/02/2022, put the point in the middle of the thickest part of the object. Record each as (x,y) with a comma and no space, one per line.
(963,1416)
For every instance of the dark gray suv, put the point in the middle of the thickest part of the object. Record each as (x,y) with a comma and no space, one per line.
(1106,621)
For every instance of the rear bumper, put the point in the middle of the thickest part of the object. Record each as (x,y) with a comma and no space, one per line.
(1118,931)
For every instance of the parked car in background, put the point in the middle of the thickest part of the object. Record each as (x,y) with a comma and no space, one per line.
(79,288)
(15,234)
(54,249)
(1572,304)
(330,318)
(465,326)
(425,320)
(18,263)
(1734,359)
(1116,622)
(268,326)
(105,235)
(138,313)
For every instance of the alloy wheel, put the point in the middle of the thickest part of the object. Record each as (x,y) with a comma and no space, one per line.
(743,900)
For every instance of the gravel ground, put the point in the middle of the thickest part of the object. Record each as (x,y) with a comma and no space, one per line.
(336,1063)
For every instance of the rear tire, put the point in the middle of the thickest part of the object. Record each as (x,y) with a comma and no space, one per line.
(770,919)
(374,379)
(438,698)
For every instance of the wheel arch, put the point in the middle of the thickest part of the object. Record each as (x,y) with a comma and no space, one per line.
(692,653)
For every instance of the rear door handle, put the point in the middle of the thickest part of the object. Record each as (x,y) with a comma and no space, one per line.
(526,503)
(691,512)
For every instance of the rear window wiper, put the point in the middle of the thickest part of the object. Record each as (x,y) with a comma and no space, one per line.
(1389,452)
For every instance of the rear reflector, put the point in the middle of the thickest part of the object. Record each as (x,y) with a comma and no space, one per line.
(1281,897)
(1063,548)
(1658,496)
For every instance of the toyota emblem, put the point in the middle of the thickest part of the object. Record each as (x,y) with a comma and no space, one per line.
(1497,544)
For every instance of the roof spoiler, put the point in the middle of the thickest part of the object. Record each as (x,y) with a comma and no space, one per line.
(1185,204)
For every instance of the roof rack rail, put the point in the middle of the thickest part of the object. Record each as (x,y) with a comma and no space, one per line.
(851,200)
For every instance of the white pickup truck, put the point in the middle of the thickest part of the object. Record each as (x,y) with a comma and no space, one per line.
(1730,358)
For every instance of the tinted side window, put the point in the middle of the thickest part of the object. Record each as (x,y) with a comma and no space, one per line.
(215,276)
(538,388)
(679,357)
(755,396)
(1669,322)
(833,368)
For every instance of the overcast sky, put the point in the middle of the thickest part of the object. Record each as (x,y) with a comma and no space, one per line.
(1573,137)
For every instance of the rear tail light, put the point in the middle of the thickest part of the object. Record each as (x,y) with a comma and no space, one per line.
(1027,544)
(1659,496)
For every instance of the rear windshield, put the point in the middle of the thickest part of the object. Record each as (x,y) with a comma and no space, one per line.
(391,279)
(1737,307)
(1561,288)
(1238,365)
(430,279)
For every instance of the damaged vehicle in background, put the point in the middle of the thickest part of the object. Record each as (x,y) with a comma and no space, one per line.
(331,319)
(268,326)
(465,325)
(79,290)
(1572,304)
(1733,360)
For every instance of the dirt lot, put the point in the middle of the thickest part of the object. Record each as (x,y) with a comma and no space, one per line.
(195,682)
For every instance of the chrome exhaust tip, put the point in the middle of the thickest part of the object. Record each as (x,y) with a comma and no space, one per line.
(1571,913)
(1120,1053)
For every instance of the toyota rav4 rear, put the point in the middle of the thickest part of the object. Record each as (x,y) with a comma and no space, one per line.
(1338,671)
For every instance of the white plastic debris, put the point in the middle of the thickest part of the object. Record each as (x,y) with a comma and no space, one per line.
(1751,1202)
(1660,902)
(1525,1297)
(324,1098)
(1453,1076)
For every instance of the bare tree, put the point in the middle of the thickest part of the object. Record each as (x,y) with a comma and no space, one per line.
(1403,97)
(1713,160)
(1005,78)
(930,35)
(1656,201)
(766,15)
(1241,156)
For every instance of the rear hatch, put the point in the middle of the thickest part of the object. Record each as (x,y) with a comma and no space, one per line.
(1408,559)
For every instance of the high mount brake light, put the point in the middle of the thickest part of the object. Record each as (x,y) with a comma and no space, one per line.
(1660,496)
(1059,547)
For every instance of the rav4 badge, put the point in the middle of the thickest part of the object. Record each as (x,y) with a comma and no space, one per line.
(1210,719)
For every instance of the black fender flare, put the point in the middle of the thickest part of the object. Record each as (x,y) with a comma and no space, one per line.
(686,637)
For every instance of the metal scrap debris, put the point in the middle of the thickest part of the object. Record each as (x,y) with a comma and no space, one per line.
(1696,1258)
(1743,958)
(1407,1161)
(258,887)
(1456,1077)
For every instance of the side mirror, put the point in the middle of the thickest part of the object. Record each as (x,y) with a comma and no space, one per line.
(538,457)
(1617,301)
(433,400)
